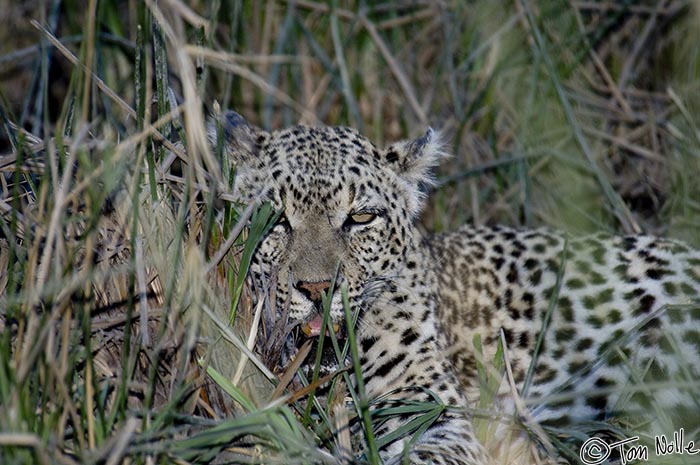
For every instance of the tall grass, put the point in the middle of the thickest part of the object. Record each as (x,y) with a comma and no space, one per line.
(124,314)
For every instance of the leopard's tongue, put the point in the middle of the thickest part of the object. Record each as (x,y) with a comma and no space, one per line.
(312,328)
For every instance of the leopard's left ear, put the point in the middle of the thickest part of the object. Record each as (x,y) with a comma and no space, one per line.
(414,160)
(241,140)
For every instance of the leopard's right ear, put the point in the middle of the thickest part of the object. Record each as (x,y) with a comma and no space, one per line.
(239,140)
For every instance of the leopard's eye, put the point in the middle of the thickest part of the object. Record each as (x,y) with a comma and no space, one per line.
(362,217)
(359,218)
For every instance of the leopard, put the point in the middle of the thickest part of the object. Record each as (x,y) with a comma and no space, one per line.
(582,324)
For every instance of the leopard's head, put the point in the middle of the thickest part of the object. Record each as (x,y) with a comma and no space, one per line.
(347,212)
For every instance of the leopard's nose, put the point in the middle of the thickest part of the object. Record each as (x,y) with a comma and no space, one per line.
(313,290)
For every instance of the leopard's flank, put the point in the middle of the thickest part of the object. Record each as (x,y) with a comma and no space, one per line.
(608,315)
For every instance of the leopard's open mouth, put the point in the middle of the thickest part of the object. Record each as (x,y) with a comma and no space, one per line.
(330,354)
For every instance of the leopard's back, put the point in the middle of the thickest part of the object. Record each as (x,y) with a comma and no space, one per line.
(621,316)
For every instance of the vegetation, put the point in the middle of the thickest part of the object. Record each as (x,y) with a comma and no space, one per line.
(126,325)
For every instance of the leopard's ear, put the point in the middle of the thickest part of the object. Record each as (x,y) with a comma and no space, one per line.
(239,139)
(414,160)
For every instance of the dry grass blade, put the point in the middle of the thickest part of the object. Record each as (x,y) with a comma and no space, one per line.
(53,229)
(403,20)
(74,60)
(197,141)
(346,86)
(19,439)
(626,144)
(227,62)
(143,292)
(89,58)
(607,6)
(231,337)
(639,44)
(323,8)
(116,453)
(611,85)
(235,232)
(252,336)
(684,110)
(306,390)
(189,15)
(398,73)
(291,370)
(26,440)
(520,407)
(340,414)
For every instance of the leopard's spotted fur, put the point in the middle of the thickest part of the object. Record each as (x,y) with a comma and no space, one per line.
(349,208)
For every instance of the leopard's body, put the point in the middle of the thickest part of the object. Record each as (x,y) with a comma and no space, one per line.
(349,211)
(619,311)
